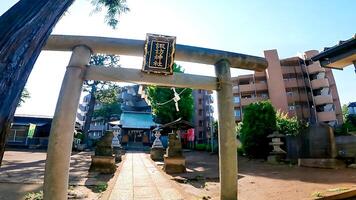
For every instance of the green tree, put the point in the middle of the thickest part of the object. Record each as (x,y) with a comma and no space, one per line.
(287,125)
(109,102)
(24,96)
(345,112)
(99,60)
(24,30)
(163,106)
(258,122)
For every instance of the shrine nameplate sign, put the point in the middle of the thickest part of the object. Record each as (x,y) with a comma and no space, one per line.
(159,54)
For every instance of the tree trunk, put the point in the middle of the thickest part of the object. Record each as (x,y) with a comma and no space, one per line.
(89,114)
(24,29)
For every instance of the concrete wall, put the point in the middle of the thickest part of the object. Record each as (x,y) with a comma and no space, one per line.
(346,146)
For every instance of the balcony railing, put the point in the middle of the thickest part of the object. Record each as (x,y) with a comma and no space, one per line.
(315,68)
(253,87)
(326,116)
(319,83)
(323,99)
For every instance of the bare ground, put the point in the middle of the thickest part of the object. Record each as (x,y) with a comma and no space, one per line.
(259,180)
(23,172)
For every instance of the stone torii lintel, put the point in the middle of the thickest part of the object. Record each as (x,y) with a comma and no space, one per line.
(131,47)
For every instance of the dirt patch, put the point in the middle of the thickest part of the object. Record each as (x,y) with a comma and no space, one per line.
(259,180)
(23,172)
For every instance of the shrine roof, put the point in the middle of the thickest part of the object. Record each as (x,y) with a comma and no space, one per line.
(137,120)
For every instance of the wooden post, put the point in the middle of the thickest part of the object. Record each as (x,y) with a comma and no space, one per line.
(63,124)
(227,137)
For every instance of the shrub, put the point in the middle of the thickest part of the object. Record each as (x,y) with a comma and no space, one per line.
(238,129)
(203,147)
(287,125)
(259,121)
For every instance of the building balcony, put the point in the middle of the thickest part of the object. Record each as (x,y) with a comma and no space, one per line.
(261,86)
(326,116)
(323,99)
(253,87)
(291,83)
(246,88)
(302,97)
(315,68)
(288,70)
(319,83)
(260,74)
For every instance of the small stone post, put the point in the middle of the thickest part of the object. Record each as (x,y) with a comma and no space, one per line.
(227,137)
(61,135)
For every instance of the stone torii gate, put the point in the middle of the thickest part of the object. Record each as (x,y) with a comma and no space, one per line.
(61,136)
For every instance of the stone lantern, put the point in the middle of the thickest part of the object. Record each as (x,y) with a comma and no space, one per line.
(277,154)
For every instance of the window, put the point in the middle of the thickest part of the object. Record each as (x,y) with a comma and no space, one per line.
(200,123)
(199,91)
(200,134)
(291,107)
(264,95)
(236,99)
(200,101)
(290,94)
(200,112)
(237,113)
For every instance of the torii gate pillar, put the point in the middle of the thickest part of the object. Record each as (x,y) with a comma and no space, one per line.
(227,136)
(61,136)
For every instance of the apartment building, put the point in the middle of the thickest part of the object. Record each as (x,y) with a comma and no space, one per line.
(295,85)
(203,115)
(97,125)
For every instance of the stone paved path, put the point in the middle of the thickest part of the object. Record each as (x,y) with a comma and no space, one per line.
(139,179)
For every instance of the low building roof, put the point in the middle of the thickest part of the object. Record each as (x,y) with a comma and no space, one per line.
(338,56)
(178,124)
(137,120)
(352,104)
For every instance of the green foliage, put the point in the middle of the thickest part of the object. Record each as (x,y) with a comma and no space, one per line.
(167,112)
(288,125)
(238,128)
(108,99)
(349,124)
(108,110)
(347,127)
(108,95)
(258,122)
(34,195)
(345,112)
(115,8)
(203,147)
(100,187)
(24,95)
(79,135)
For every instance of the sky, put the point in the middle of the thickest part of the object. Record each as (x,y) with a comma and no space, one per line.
(249,27)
